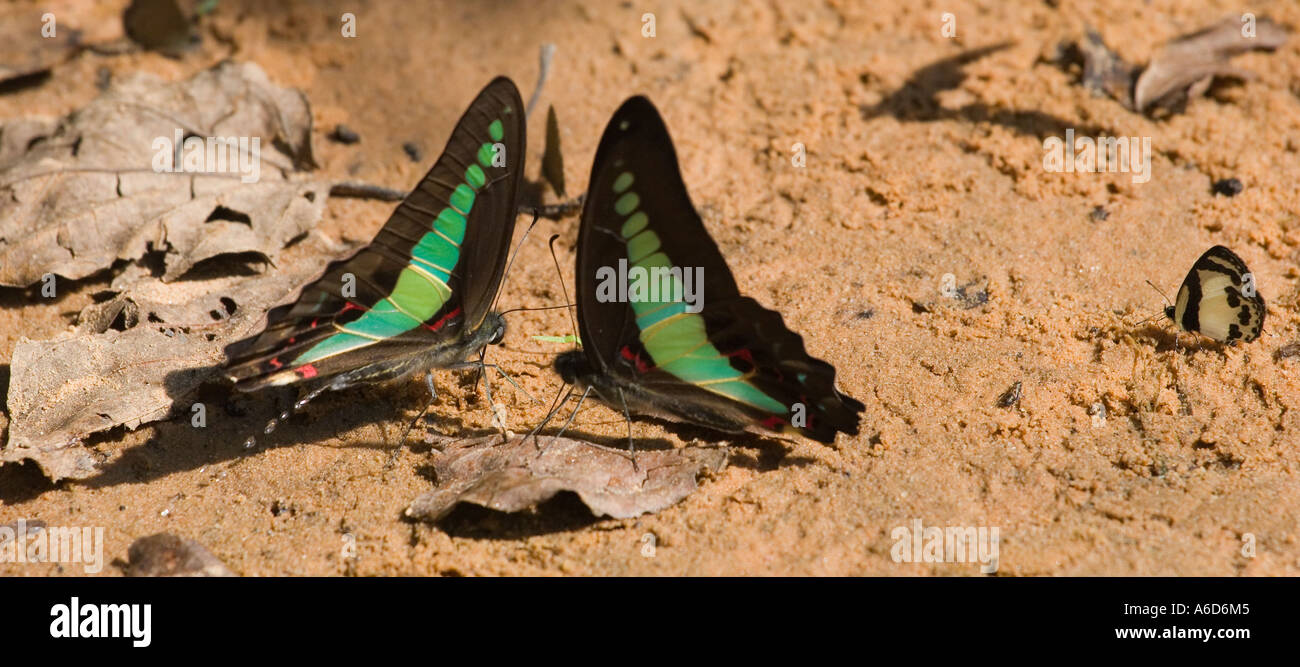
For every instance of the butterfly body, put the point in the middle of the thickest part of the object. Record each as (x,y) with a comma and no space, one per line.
(419,296)
(1218,299)
(447,355)
(696,351)
(698,408)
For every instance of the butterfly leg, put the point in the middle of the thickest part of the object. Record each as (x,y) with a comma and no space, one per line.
(478,365)
(631,444)
(556,403)
(574,413)
(433,398)
(566,424)
(498,409)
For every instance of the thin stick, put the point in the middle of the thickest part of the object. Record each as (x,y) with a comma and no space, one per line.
(544,57)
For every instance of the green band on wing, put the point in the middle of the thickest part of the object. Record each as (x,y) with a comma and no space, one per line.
(421,290)
(675,338)
(485,154)
(462,198)
(475,177)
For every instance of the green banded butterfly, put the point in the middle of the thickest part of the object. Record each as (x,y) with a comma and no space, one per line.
(723,362)
(419,296)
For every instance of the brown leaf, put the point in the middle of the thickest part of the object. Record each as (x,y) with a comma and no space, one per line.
(1104,71)
(166,555)
(522,472)
(1193,59)
(170,340)
(86,193)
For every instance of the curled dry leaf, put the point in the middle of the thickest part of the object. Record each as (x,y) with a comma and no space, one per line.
(1105,72)
(523,472)
(166,555)
(85,192)
(1184,68)
(134,358)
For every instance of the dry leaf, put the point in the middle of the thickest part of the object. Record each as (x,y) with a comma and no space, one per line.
(1185,66)
(1183,70)
(523,472)
(134,359)
(166,555)
(1105,72)
(86,193)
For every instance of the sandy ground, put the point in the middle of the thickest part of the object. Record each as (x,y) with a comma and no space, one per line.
(917,166)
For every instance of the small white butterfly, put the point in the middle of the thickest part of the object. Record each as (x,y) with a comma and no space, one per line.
(1219,299)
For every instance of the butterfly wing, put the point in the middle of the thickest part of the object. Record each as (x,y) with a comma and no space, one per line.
(1218,299)
(428,277)
(638,216)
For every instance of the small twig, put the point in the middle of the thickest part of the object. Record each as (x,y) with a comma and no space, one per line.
(365,191)
(558,210)
(543,69)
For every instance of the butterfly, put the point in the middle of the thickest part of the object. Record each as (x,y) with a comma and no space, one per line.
(1219,299)
(718,360)
(419,296)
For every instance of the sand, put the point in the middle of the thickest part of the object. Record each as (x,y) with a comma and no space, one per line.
(917,166)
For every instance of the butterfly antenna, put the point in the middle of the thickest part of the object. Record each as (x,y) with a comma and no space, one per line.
(563,289)
(1161,293)
(513,257)
(433,396)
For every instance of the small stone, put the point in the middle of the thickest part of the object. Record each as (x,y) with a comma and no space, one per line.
(344,134)
(412,151)
(165,555)
(1228,187)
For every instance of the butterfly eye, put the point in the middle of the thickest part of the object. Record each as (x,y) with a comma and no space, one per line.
(498,334)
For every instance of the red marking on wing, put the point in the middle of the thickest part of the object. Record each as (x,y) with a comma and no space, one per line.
(306,372)
(641,365)
(314,322)
(743,354)
(773,423)
(443,320)
(275,362)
